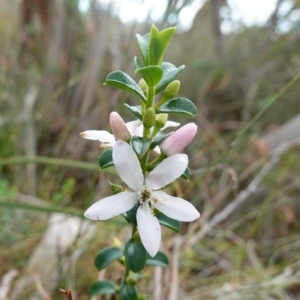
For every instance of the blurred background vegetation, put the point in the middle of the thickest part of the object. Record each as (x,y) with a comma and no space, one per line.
(245,179)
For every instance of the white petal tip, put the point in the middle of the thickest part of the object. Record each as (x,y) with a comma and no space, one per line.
(153,253)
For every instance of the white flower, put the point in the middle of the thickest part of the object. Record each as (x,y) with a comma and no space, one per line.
(107,139)
(146,193)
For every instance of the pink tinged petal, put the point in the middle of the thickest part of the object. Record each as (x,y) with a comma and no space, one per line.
(118,127)
(99,135)
(133,125)
(179,139)
(128,165)
(111,206)
(170,124)
(149,229)
(175,208)
(167,171)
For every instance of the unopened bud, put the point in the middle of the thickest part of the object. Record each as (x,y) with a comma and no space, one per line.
(161,120)
(149,117)
(176,142)
(118,127)
(116,243)
(116,188)
(143,85)
(169,93)
(172,89)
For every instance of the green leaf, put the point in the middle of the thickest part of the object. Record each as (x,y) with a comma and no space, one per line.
(131,214)
(160,137)
(151,74)
(103,287)
(106,256)
(135,255)
(128,292)
(170,72)
(168,222)
(138,65)
(160,259)
(136,110)
(158,44)
(105,159)
(140,145)
(124,82)
(143,43)
(180,106)
(186,174)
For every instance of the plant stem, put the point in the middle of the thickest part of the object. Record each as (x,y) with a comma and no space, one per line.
(150,96)
(155,161)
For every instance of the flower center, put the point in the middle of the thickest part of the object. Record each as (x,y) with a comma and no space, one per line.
(145,195)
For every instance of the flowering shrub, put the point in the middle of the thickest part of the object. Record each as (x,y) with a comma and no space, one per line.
(144,205)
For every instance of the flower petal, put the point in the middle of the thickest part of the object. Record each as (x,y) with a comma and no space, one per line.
(167,171)
(128,165)
(100,135)
(111,206)
(135,127)
(170,124)
(149,229)
(174,207)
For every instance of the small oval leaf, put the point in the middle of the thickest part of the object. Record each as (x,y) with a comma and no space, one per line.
(124,82)
(137,64)
(160,137)
(105,159)
(103,287)
(168,222)
(180,105)
(140,145)
(131,214)
(135,255)
(151,74)
(186,174)
(143,43)
(136,110)
(160,259)
(128,292)
(106,256)
(170,72)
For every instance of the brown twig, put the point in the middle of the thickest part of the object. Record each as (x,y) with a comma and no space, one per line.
(68,293)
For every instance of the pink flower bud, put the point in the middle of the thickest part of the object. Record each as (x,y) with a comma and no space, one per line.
(179,139)
(118,127)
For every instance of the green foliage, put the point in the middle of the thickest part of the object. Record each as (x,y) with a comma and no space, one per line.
(160,260)
(186,174)
(135,255)
(151,74)
(128,292)
(103,287)
(105,159)
(158,43)
(180,106)
(106,256)
(170,72)
(124,82)
(168,222)
(159,138)
(140,145)
(136,110)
